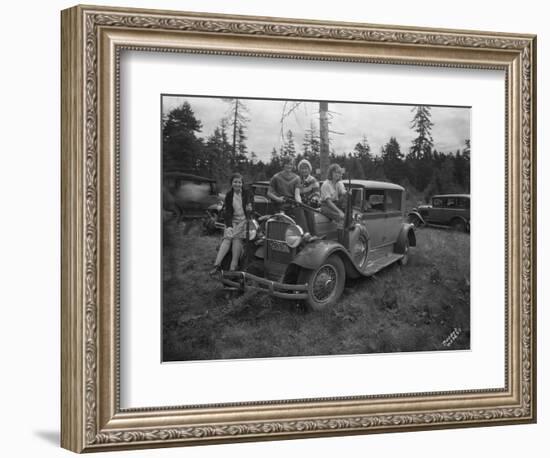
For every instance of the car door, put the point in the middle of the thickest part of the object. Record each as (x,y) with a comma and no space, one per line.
(374,216)
(450,210)
(394,214)
(437,212)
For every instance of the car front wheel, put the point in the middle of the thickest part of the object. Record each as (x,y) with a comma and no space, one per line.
(325,284)
(405,259)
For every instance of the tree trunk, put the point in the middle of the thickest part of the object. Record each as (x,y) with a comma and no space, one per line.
(235,131)
(323,130)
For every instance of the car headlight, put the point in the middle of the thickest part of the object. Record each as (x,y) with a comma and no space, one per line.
(252,229)
(293,236)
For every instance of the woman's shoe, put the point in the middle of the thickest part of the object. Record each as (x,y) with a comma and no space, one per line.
(216,270)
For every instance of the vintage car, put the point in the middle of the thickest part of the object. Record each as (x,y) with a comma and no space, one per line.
(446,210)
(187,196)
(262,206)
(284,261)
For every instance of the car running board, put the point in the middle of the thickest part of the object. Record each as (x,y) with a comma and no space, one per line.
(378,264)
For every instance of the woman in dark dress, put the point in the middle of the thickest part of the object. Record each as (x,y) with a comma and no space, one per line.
(238,202)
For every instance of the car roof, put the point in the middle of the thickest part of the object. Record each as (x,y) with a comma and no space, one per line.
(260,183)
(451,195)
(371,184)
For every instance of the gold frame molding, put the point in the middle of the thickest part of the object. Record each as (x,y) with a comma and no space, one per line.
(92,39)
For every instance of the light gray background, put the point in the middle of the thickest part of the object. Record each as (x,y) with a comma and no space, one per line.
(29,229)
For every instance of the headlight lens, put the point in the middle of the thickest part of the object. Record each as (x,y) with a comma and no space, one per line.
(293,236)
(252,229)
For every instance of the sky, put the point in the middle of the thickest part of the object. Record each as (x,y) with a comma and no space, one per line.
(349,123)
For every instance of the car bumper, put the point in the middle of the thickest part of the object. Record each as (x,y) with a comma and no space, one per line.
(246,281)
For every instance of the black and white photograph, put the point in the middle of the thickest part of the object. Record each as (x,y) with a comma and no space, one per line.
(313,228)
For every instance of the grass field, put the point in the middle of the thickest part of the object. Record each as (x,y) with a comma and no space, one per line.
(419,307)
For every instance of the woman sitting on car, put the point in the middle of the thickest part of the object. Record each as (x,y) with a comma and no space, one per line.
(333,193)
(309,192)
(284,190)
(238,202)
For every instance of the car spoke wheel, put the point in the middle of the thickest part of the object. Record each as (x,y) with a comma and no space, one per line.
(325,284)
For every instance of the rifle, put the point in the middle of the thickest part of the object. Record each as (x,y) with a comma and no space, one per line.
(301,204)
(349,205)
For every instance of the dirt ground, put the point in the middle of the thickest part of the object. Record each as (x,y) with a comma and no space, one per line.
(423,306)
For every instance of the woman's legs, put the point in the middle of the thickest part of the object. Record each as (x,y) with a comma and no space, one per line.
(236,248)
(222,251)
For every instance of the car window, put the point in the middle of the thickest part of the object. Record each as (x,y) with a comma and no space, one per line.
(451,202)
(374,200)
(437,202)
(393,200)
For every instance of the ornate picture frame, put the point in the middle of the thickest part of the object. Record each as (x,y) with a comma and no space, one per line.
(92,41)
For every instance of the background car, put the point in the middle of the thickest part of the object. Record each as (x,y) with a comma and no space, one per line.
(188,196)
(447,210)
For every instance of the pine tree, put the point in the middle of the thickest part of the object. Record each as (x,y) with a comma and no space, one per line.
(289,148)
(422,125)
(237,119)
(242,150)
(218,152)
(362,149)
(393,160)
(419,161)
(462,167)
(362,152)
(181,149)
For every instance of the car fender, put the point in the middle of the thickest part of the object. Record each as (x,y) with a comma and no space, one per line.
(315,253)
(417,214)
(405,234)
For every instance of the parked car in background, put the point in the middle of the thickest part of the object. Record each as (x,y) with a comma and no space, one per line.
(447,210)
(285,261)
(188,196)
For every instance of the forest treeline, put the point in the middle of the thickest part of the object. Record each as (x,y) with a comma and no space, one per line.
(419,167)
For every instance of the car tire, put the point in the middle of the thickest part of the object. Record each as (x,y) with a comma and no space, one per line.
(458,225)
(325,284)
(405,259)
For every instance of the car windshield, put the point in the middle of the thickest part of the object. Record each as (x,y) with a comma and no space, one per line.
(260,190)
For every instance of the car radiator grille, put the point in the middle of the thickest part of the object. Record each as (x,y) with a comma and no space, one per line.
(276,232)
